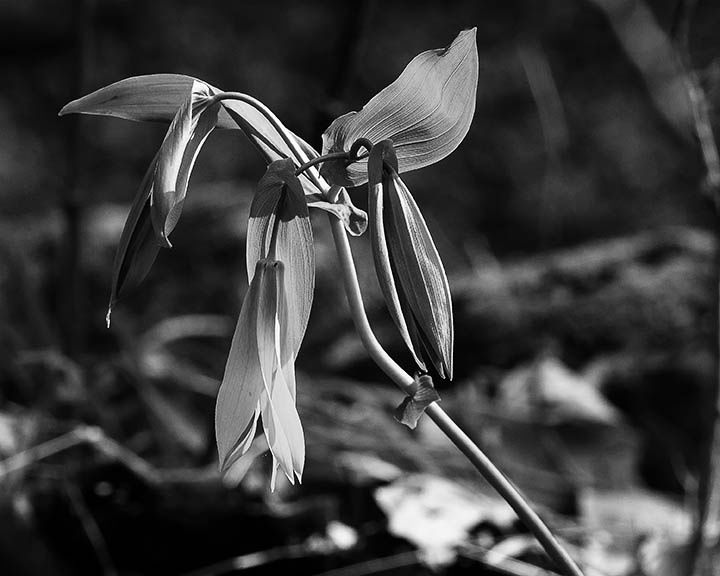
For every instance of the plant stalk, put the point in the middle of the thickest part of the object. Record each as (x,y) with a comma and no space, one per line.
(404,381)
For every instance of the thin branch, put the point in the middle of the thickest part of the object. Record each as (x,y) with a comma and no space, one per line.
(404,381)
(91,528)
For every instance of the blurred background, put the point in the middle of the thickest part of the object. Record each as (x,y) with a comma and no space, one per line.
(576,225)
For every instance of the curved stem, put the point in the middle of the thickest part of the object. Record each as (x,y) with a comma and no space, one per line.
(321,159)
(300,156)
(403,380)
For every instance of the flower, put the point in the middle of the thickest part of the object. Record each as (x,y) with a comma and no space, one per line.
(417,120)
(408,266)
(259,378)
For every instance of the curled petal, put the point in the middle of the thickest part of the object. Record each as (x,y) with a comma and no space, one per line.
(426,112)
(157,97)
(188,131)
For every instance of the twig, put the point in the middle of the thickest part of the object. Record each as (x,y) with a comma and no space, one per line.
(91,528)
(404,381)
(255,559)
(376,565)
(95,437)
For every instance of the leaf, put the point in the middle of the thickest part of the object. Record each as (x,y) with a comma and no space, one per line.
(188,131)
(426,112)
(280,201)
(138,248)
(237,407)
(421,274)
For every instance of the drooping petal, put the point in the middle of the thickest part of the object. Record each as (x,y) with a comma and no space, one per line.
(380,250)
(157,97)
(280,417)
(138,248)
(240,394)
(192,124)
(427,112)
(421,273)
(279,203)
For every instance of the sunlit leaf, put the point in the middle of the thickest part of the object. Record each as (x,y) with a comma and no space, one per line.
(426,112)
(280,202)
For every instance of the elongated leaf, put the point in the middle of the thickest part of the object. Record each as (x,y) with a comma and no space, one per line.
(239,397)
(381,253)
(421,273)
(426,112)
(279,203)
(280,418)
(138,248)
(188,131)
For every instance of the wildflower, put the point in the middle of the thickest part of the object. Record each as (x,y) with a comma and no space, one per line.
(259,379)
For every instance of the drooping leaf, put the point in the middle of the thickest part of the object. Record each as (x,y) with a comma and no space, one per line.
(279,202)
(421,274)
(138,247)
(238,399)
(188,131)
(426,112)
(381,251)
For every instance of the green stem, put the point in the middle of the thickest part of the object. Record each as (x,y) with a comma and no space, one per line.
(404,381)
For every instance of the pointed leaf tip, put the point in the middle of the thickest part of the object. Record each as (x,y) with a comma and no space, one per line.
(427,112)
